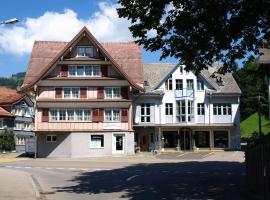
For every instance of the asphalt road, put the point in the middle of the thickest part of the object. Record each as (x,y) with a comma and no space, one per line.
(75,179)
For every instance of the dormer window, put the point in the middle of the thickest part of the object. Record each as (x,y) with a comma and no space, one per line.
(85,52)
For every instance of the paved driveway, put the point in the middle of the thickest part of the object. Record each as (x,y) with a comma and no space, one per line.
(203,178)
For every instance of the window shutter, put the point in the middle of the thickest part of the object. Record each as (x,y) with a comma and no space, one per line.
(97,115)
(124,115)
(124,92)
(58,93)
(45,115)
(83,93)
(100,92)
(64,71)
(104,70)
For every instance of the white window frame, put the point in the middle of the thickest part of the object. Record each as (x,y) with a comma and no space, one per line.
(200,84)
(178,84)
(84,54)
(145,116)
(75,116)
(181,111)
(51,136)
(92,146)
(200,109)
(71,92)
(112,91)
(112,115)
(222,109)
(190,111)
(92,67)
(168,109)
(169,84)
(188,84)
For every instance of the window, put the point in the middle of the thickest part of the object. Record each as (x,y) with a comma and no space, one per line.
(20,141)
(84,70)
(202,139)
(200,85)
(200,109)
(179,84)
(181,68)
(222,109)
(190,110)
(97,141)
(112,115)
(71,93)
(190,84)
(168,84)
(112,93)
(169,109)
(51,138)
(145,112)
(181,111)
(70,115)
(221,139)
(85,51)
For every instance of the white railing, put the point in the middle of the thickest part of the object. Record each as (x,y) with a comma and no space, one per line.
(185,92)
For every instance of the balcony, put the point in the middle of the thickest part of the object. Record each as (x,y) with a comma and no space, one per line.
(184,93)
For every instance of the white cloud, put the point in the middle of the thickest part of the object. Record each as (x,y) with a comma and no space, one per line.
(104,24)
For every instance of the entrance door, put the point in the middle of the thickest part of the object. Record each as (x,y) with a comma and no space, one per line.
(144,142)
(185,139)
(118,144)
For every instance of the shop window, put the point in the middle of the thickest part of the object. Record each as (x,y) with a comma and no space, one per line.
(97,141)
(221,139)
(202,139)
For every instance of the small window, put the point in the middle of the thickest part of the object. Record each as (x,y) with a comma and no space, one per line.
(85,51)
(190,84)
(179,84)
(181,69)
(200,85)
(169,108)
(200,108)
(168,84)
(112,93)
(145,112)
(97,141)
(51,138)
(112,115)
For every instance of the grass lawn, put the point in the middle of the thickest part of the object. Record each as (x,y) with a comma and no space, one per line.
(251,124)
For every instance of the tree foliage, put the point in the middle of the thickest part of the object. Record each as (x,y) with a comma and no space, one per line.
(199,33)
(13,81)
(7,141)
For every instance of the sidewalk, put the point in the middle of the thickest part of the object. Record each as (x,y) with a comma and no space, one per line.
(16,185)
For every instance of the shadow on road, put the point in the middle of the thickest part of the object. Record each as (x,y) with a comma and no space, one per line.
(188,180)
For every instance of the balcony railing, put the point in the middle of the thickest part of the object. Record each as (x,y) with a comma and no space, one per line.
(185,92)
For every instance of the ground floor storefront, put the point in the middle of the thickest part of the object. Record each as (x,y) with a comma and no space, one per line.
(84,144)
(186,138)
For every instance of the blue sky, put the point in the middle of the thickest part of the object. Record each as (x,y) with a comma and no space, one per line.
(57,20)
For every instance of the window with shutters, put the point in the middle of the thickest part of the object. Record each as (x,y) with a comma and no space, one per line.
(112,115)
(112,92)
(70,115)
(84,71)
(145,112)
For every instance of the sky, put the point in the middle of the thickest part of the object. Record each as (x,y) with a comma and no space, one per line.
(58,20)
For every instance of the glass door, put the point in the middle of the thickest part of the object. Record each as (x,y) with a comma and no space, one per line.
(118,144)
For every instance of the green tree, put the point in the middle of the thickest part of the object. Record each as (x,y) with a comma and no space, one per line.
(199,33)
(7,140)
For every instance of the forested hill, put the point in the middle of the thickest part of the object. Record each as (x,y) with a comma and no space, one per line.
(13,81)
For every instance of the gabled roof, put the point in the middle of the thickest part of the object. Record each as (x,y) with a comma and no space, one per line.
(156,74)
(126,57)
(5,113)
(9,96)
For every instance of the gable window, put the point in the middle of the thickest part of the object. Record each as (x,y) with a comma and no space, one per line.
(145,112)
(71,93)
(168,84)
(112,93)
(222,109)
(112,115)
(190,84)
(179,84)
(169,109)
(97,141)
(85,51)
(84,71)
(200,109)
(51,138)
(200,85)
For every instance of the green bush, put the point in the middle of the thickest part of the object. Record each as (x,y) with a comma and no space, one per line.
(7,141)
(257,139)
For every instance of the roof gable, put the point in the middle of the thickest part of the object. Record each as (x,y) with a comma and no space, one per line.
(40,64)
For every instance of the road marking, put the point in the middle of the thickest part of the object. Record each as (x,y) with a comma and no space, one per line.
(60,168)
(130,178)
(71,168)
(27,167)
(207,155)
(183,154)
(8,166)
(17,167)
